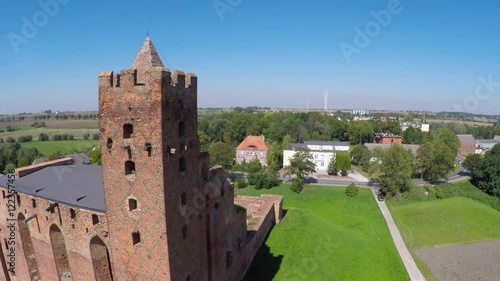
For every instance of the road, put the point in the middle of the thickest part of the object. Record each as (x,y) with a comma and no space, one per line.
(462,174)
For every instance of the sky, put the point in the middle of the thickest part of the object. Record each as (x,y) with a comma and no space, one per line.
(368,54)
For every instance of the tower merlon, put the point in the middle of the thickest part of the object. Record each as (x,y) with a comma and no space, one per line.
(183,80)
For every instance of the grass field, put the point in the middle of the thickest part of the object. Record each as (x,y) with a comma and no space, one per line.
(452,221)
(326,235)
(470,123)
(65,147)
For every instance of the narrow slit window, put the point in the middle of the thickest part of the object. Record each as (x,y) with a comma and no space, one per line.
(129,167)
(136,237)
(182,165)
(132,204)
(128,130)
(95,219)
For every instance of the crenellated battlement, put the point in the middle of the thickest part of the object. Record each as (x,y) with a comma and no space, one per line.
(129,77)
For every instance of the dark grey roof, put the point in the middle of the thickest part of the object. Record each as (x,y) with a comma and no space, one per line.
(74,185)
(332,143)
(298,146)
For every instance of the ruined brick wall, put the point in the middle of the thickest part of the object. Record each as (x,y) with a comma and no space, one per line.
(163,152)
(77,228)
(391,140)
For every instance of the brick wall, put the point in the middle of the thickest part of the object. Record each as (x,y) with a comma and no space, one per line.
(76,231)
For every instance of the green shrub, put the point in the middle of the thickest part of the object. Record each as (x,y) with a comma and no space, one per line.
(56,137)
(86,136)
(43,137)
(297,185)
(241,183)
(351,190)
(10,140)
(95,136)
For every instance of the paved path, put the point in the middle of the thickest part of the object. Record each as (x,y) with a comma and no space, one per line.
(406,257)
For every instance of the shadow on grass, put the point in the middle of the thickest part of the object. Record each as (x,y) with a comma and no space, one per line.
(264,265)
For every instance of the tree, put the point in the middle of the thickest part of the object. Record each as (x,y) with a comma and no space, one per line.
(9,168)
(86,136)
(301,164)
(408,118)
(448,137)
(486,172)
(95,156)
(222,154)
(43,137)
(473,163)
(435,160)
(297,185)
(345,169)
(412,136)
(396,169)
(253,167)
(275,157)
(332,167)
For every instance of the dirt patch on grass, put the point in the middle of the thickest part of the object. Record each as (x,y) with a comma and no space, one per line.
(477,261)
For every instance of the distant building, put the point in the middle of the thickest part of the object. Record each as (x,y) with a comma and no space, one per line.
(412,147)
(487,144)
(360,112)
(252,148)
(425,127)
(421,127)
(467,144)
(322,152)
(387,138)
(496,138)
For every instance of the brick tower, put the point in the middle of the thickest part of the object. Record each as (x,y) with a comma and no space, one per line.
(150,150)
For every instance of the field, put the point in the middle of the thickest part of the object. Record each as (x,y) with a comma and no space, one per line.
(65,147)
(470,123)
(75,127)
(452,221)
(326,235)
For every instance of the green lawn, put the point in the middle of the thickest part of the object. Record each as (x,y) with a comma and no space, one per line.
(426,222)
(326,235)
(65,147)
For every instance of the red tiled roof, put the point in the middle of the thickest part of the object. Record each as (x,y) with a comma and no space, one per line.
(254,142)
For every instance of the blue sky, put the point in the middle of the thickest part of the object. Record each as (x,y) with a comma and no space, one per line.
(275,53)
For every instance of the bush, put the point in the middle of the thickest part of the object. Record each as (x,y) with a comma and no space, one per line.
(54,156)
(86,136)
(37,124)
(43,137)
(10,129)
(71,137)
(351,190)
(241,183)
(1,140)
(95,136)
(56,137)
(297,185)
(22,139)
(10,140)
(262,180)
